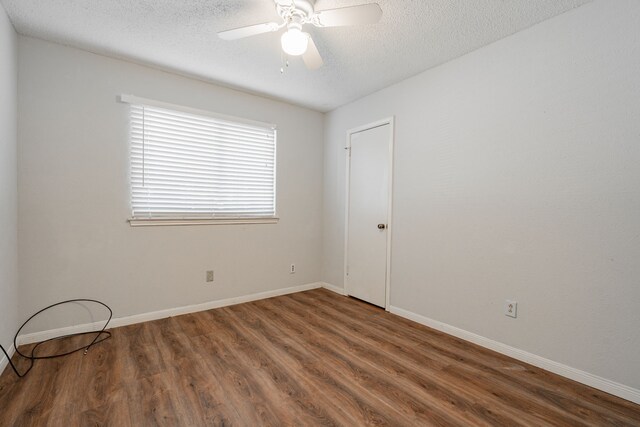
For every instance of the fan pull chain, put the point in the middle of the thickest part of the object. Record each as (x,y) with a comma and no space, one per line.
(284,62)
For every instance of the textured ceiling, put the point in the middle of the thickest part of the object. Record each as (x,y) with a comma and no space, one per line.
(412,36)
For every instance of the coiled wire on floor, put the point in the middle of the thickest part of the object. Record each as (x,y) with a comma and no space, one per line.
(101,335)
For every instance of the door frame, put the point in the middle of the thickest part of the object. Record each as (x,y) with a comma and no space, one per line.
(391,122)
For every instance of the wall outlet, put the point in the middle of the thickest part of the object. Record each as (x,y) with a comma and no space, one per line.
(511,308)
(292,269)
(209,275)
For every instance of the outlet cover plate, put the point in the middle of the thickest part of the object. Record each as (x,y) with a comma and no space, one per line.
(511,308)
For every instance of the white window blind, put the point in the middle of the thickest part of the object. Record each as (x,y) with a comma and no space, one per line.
(189,166)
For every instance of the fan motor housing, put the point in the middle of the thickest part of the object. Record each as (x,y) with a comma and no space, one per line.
(302,8)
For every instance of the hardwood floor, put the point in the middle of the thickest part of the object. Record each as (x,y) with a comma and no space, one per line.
(311,358)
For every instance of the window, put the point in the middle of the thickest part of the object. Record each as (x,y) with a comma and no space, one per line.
(188,167)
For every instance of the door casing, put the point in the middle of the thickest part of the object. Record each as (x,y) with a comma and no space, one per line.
(388,121)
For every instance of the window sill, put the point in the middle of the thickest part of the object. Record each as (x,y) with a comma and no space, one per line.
(151,222)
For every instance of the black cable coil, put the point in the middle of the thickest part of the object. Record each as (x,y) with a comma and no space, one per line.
(32,357)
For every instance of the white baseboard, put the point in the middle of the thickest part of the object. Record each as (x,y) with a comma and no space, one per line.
(583,377)
(333,288)
(4,362)
(161,314)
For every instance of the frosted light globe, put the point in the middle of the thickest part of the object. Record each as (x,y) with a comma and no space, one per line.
(294,42)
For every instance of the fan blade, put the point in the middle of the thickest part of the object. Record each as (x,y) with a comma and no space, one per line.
(311,57)
(352,15)
(251,30)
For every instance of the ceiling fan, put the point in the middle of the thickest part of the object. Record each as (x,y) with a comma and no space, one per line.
(295,14)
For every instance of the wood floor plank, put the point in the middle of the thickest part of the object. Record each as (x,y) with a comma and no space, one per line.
(202,394)
(312,358)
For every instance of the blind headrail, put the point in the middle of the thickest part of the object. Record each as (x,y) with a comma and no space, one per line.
(132,99)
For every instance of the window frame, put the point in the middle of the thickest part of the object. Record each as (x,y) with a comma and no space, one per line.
(177,220)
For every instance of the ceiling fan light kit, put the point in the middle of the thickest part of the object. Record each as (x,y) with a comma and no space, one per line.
(294,41)
(295,14)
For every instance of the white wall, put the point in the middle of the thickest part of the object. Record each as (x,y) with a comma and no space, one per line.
(74,193)
(517,176)
(8,182)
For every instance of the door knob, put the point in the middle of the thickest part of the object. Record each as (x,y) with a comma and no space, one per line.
(381,226)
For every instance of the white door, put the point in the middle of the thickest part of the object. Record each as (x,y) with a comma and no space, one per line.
(367,217)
